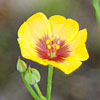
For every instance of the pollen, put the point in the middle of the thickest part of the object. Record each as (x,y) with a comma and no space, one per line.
(52,38)
(47,41)
(49,46)
(54,45)
(57,47)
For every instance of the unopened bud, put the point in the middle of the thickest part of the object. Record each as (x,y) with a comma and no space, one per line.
(21,65)
(32,76)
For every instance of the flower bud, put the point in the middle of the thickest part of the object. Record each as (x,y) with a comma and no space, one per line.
(21,65)
(32,76)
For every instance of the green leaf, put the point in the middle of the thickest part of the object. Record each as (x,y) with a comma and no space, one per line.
(21,65)
(32,76)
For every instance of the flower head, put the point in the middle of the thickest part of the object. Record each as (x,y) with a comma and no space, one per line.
(57,41)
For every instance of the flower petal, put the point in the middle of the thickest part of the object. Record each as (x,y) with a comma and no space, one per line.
(80,53)
(35,27)
(70,30)
(68,66)
(78,48)
(25,33)
(57,22)
(39,25)
(29,52)
(79,39)
(64,28)
(28,34)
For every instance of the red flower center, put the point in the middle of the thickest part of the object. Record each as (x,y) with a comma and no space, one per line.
(52,49)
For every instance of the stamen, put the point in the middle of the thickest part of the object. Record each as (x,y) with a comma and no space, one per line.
(52,48)
(52,38)
(47,41)
(49,46)
(58,42)
(57,47)
(54,45)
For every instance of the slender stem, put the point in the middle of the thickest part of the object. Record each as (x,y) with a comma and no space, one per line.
(49,84)
(38,90)
(97,11)
(29,88)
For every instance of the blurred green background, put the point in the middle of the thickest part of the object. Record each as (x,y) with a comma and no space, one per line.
(83,84)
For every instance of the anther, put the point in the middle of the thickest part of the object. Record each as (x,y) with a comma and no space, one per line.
(49,46)
(52,38)
(57,47)
(47,41)
(54,45)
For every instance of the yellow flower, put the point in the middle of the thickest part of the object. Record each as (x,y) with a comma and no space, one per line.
(56,41)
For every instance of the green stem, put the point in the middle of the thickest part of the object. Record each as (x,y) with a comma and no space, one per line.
(97,11)
(38,90)
(34,95)
(49,84)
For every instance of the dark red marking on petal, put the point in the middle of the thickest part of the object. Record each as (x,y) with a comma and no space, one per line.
(44,52)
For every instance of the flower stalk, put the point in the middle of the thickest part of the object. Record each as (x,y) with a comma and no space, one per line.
(38,90)
(34,95)
(49,84)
